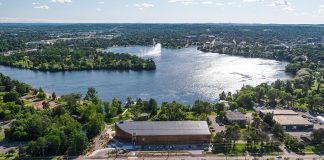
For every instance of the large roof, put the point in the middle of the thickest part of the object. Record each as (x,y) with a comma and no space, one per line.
(279,112)
(165,127)
(291,120)
(235,116)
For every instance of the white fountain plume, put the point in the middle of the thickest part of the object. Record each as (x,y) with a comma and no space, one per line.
(154,51)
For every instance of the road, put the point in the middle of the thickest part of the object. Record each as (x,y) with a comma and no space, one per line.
(210,157)
(215,125)
(100,142)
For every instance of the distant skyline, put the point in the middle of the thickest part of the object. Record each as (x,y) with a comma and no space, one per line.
(163,11)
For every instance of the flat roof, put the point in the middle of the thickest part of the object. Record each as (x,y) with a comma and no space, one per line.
(291,120)
(279,112)
(235,116)
(165,127)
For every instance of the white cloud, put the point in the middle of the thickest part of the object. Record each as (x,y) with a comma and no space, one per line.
(101,2)
(35,3)
(45,7)
(288,9)
(219,4)
(143,6)
(207,2)
(184,2)
(321,10)
(98,9)
(280,3)
(62,1)
(251,1)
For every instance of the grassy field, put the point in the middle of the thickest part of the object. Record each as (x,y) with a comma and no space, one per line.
(312,149)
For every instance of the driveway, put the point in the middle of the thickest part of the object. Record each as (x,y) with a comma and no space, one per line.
(215,125)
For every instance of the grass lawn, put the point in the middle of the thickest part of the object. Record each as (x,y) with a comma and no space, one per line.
(240,150)
(309,150)
(213,113)
(8,157)
(312,149)
(118,118)
(27,102)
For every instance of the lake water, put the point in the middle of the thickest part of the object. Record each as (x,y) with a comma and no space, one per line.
(183,75)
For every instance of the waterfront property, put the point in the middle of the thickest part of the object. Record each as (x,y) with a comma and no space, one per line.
(163,132)
(236,117)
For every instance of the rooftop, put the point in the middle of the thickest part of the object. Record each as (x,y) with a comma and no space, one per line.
(279,112)
(291,120)
(235,116)
(165,127)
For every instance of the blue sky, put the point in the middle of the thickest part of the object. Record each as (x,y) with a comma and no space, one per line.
(163,11)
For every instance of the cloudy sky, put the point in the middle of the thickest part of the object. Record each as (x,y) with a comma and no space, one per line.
(163,11)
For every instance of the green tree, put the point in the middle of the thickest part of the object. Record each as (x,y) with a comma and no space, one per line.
(12,96)
(78,144)
(95,125)
(54,96)
(41,95)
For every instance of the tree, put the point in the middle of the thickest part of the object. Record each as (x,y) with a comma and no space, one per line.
(11,151)
(95,125)
(289,87)
(232,133)
(171,112)
(200,107)
(318,136)
(268,118)
(54,144)
(117,104)
(41,95)
(221,116)
(151,106)
(46,105)
(245,100)
(12,96)
(54,96)
(91,94)
(78,144)
(72,99)
(222,96)
(129,102)
(278,131)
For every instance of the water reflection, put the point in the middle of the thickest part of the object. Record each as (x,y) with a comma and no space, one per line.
(183,75)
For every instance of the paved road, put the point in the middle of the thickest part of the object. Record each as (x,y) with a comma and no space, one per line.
(215,125)
(211,157)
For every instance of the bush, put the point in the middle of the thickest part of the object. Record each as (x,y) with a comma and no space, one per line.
(41,95)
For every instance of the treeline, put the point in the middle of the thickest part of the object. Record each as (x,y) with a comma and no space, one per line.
(16,36)
(64,130)
(66,59)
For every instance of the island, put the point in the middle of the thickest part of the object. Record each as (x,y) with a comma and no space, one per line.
(68,59)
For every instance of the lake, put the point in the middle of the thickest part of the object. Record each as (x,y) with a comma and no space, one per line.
(183,75)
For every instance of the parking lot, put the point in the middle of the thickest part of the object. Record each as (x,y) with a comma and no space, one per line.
(115,143)
(311,119)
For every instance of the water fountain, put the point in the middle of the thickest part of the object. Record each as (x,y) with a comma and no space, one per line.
(154,51)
